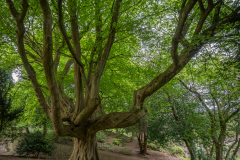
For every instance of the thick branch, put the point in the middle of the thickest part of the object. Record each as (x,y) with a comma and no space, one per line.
(64,33)
(18,17)
(98,42)
(79,74)
(12,9)
(92,105)
(117,120)
(185,56)
(177,36)
(204,15)
(101,65)
(200,3)
(48,67)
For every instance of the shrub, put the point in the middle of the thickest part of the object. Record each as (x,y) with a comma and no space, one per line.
(153,146)
(108,147)
(52,137)
(127,152)
(33,144)
(119,142)
(101,137)
(177,151)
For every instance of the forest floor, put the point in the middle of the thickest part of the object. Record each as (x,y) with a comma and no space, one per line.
(107,151)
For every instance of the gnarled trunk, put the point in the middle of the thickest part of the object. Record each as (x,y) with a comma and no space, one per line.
(85,149)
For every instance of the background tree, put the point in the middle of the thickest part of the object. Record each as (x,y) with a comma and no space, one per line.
(80,37)
(7,114)
(176,117)
(218,93)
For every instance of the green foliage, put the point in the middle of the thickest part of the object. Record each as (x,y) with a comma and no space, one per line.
(11,133)
(127,152)
(101,137)
(176,150)
(201,154)
(33,144)
(119,142)
(7,114)
(52,137)
(153,146)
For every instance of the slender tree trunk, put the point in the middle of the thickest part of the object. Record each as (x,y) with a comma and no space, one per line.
(145,144)
(85,149)
(219,151)
(140,143)
(190,149)
(211,151)
(221,139)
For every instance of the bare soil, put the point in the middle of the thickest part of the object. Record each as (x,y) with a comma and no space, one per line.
(64,150)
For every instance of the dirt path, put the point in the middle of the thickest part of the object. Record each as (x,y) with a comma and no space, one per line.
(134,148)
(106,155)
(64,150)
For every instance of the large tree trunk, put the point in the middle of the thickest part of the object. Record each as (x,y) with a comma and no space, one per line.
(85,149)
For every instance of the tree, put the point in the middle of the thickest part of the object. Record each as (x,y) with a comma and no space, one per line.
(176,117)
(219,95)
(98,29)
(33,114)
(7,114)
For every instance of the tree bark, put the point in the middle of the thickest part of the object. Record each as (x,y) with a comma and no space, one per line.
(85,149)
(190,149)
(140,144)
(219,152)
(145,143)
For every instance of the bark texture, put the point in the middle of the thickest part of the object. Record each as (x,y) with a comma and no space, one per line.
(85,149)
